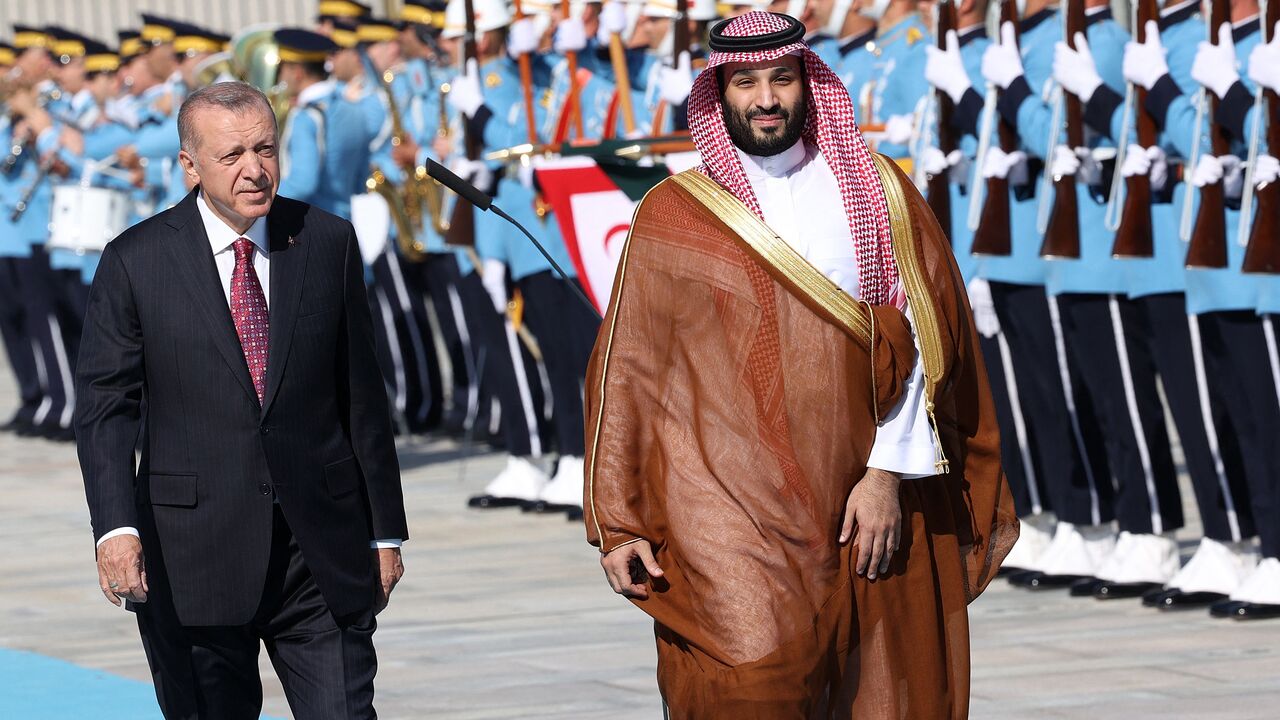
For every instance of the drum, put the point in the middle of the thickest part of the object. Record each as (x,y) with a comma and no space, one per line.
(85,219)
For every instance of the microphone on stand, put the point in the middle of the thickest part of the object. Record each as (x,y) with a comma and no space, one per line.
(482,201)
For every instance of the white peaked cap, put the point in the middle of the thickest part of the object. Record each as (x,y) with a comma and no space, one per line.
(707,9)
(835,23)
(490,15)
(659,9)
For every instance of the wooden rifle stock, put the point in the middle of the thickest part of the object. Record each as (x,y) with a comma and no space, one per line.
(939,185)
(1263,252)
(1135,237)
(571,57)
(993,236)
(1062,235)
(462,223)
(1209,235)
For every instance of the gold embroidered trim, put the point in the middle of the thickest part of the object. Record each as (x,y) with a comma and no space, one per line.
(774,252)
(911,270)
(614,304)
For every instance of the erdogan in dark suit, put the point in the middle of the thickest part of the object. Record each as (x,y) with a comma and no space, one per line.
(230,338)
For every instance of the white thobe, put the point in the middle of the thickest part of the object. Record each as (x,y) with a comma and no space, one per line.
(801,202)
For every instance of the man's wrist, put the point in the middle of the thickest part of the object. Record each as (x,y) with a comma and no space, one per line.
(117,533)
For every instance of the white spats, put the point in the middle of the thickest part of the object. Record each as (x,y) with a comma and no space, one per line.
(1034,536)
(521,479)
(1141,558)
(1262,587)
(1078,550)
(1216,567)
(565,488)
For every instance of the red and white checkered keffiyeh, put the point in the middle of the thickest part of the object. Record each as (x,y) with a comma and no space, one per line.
(830,126)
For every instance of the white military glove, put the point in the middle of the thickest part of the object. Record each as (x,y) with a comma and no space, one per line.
(522,37)
(1064,162)
(674,84)
(1011,166)
(1145,63)
(898,129)
(933,161)
(571,36)
(1075,70)
(1149,161)
(1266,170)
(465,94)
(495,283)
(1207,171)
(1002,62)
(984,308)
(1232,176)
(944,69)
(1215,65)
(1264,63)
(613,20)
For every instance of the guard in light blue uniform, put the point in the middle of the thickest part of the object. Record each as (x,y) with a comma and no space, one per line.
(15,255)
(1155,287)
(899,76)
(1064,435)
(1109,334)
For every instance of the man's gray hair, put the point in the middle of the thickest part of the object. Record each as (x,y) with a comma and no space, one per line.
(236,97)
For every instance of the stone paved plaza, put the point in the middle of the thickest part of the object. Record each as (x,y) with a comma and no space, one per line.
(504,615)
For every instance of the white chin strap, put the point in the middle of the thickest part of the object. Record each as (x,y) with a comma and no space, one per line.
(877,8)
(835,23)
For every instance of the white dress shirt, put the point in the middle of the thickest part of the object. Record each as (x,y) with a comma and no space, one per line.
(801,201)
(222,237)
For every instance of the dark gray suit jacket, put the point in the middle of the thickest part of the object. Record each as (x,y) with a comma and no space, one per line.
(160,355)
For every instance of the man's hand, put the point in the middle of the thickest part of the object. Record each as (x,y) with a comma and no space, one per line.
(617,568)
(122,574)
(127,157)
(390,570)
(405,154)
(874,510)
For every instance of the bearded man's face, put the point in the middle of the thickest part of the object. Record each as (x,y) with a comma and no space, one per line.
(765,104)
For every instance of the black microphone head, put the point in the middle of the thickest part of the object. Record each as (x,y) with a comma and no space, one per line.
(464,189)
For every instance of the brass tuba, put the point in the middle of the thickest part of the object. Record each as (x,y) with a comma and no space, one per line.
(255,59)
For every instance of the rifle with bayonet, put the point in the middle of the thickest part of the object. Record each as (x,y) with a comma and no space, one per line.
(1263,252)
(1209,235)
(1062,234)
(1135,236)
(939,185)
(462,224)
(992,236)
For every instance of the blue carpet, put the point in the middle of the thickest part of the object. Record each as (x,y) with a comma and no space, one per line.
(43,688)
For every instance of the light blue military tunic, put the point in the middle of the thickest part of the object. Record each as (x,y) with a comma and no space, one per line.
(899,74)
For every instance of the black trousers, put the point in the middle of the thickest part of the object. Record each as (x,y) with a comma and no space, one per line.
(1021,467)
(325,666)
(416,367)
(561,325)
(1240,361)
(17,337)
(508,373)
(440,278)
(40,294)
(1209,443)
(1107,339)
(1066,439)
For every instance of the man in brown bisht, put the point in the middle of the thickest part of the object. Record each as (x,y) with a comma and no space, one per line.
(792,456)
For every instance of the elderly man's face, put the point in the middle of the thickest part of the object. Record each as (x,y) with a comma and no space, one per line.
(765,104)
(235,162)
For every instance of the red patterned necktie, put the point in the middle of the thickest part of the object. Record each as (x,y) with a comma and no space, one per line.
(249,312)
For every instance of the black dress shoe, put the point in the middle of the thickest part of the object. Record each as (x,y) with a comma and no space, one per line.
(1124,591)
(1178,600)
(1016,577)
(13,424)
(1042,581)
(1246,610)
(61,435)
(489,502)
(575,514)
(1086,587)
(1153,598)
(1225,608)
